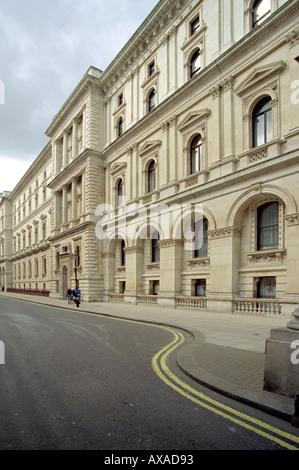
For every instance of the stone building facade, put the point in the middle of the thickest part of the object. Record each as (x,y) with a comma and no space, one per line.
(190,134)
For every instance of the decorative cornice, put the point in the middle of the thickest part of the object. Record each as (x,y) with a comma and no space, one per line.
(171,242)
(150,31)
(91,78)
(258,74)
(44,156)
(133,249)
(225,232)
(292,219)
(293,38)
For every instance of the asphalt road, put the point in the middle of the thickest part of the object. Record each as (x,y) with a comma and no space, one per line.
(75,381)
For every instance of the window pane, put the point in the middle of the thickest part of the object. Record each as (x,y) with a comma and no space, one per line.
(194,26)
(119,193)
(268,226)
(259,130)
(151,100)
(261,11)
(155,247)
(267,288)
(200,288)
(196,155)
(201,238)
(123,253)
(195,63)
(151,177)
(262,126)
(269,127)
(156,287)
(120,127)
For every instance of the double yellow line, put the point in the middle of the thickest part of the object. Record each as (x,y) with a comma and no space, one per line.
(161,368)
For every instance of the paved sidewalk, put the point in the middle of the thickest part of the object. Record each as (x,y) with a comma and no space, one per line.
(227,353)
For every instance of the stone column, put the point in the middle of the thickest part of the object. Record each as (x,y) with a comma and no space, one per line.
(84,130)
(163,159)
(215,144)
(172,149)
(57,218)
(75,139)
(171,259)
(83,189)
(64,155)
(74,198)
(64,204)
(224,250)
(228,121)
(134,269)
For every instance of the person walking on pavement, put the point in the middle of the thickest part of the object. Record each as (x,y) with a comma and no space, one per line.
(79,295)
(75,297)
(69,296)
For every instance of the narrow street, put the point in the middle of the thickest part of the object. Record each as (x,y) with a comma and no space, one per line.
(77,381)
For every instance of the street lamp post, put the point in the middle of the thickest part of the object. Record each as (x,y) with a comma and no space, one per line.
(75,256)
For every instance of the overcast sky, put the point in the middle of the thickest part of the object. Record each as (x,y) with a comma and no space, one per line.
(46,46)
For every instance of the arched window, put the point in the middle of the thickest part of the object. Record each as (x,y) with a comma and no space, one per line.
(123,253)
(201,238)
(155,247)
(151,100)
(261,9)
(195,154)
(119,193)
(120,127)
(262,128)
(195,63)
(267,226)
(151,177)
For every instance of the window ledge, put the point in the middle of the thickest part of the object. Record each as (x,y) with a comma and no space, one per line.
(194,38)
(151,78)
(268,150)
(153,267)
(266,256)
(195,263)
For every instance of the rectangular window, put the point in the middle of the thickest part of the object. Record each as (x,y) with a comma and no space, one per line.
(155,248)
(194,26)
(155,287)
(122,287)
(266,288)
(267,226)
(151,69)
(200,288)
(201,238)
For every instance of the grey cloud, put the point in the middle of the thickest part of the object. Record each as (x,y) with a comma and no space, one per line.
(45,48)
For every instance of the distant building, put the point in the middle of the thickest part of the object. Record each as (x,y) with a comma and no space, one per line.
(196,118)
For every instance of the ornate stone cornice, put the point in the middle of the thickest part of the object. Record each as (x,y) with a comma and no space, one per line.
(89,80)
(150,32)
(171,242)
(225,232)
(292,219)
(38,164)
(133,249)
